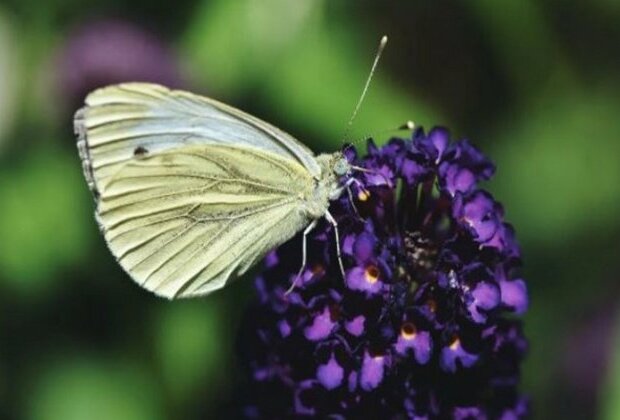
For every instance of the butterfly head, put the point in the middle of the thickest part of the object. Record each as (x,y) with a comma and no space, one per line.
(341,165)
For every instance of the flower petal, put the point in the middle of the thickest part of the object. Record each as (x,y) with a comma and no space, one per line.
(330,375)
(420,344)
(372,371)
(485,296)
(455,355)
(321,328)
(514,295)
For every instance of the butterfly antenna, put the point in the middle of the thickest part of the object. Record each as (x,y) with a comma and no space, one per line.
(382,44)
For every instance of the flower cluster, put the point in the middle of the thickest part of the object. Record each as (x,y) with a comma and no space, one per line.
(422,325)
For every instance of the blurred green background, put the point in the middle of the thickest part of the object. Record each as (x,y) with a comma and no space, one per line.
(535,84)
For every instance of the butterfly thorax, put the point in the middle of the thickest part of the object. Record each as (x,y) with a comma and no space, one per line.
(328,185)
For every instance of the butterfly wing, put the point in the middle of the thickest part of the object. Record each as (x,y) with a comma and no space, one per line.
(184,212)
(126,119)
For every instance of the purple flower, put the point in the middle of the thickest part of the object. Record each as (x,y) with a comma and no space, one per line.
(422,326)
(364,279)
(356,325)
(371,373)
(454,356)
(412,341)
(462,167)
(513,292)
(330,374)
(479,213)
(321,326)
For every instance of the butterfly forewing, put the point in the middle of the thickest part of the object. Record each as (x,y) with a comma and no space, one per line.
(189,195)
(127,119)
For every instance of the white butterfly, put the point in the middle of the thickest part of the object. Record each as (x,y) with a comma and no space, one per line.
(190,193)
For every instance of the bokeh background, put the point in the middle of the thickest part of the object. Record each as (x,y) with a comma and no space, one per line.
(534,83)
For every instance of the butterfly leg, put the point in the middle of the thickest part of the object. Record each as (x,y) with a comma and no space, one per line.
(347,186)
(331,220)
(350,194)
(304,248)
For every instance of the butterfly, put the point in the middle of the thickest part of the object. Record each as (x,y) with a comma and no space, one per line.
(190,193)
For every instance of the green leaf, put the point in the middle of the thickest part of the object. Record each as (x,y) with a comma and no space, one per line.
(192,349)
(232,45)
(558,166)
(78,389)
(46,221)
(522,40)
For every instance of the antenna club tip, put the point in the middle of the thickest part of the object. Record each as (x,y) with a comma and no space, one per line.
(409,125)
(384,40)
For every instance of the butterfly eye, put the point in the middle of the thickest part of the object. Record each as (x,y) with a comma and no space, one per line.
(341,167)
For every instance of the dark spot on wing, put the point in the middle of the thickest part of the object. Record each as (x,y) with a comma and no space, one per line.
(140,151)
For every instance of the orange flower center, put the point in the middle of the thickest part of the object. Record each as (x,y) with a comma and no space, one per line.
(408,331)
(455,344)
(371,274)
(363,195)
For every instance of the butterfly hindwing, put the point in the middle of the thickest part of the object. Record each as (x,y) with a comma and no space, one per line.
(182,222)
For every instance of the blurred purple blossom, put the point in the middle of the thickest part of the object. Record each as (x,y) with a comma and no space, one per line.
(104,52)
